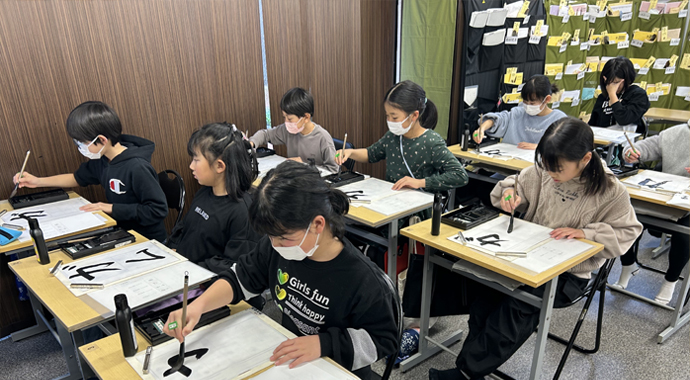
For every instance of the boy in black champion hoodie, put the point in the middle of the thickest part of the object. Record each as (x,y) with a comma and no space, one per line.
(120,163)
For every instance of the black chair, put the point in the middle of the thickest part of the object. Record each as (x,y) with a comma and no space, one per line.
(598,284)
(350,163)
(173,188)
(390,360)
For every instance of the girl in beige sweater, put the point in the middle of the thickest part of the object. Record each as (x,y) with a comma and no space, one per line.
(570,190)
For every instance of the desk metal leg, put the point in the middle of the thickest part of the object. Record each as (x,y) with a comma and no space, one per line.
(425,312)
(68,349)
(639,297)
(60,333)
(679,319)
(425,351)
(393,251)
(40,326)
(663,247)
(86,370)
(543,331)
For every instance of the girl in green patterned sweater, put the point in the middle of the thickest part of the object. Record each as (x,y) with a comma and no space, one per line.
(416,156)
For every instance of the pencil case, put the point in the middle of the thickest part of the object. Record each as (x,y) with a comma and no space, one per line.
(7,235)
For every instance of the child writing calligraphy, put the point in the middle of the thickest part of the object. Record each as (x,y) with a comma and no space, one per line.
(304,139)
(523,125)
(570,190)
(671,146)
(416,156)
(306,262)
(120,163)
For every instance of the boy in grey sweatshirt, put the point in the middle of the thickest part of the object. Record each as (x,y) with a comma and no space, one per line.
(305,140)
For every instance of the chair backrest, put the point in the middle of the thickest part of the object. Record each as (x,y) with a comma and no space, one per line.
(350,163)
(643,127)
(399,314)
(174,191)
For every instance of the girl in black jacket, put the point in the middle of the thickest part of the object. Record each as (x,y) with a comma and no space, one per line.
(619,102)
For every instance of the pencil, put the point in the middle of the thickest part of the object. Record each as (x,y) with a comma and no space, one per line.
(21,173)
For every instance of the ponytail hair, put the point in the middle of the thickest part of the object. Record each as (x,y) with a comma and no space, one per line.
(569,139)
(291,196)
(409,97)
(223,141)
(537,88)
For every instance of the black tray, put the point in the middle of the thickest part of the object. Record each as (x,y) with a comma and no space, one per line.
(623,171)
(344,178)
(264,152)
(488,141)
(35,199)
(145,323)
(98,243)
(469,216)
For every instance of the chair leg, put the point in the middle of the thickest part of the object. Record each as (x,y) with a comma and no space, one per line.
(600,320)
(390,362)
(601,287)
(577,347)
(647,267)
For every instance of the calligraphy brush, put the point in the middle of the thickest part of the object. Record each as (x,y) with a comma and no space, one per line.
(342,151)
(21,173)
(180,359)
(629,141)
(512,210)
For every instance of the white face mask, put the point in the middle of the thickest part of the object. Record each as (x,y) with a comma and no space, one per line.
(296,252)
(84,149)
(396,127)
(533,110)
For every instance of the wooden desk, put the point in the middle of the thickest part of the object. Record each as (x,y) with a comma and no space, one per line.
(55,296)
(105,355)
(106,359)
(71,313)
(17,245)
(373,219)
(665,115)
(658,198)
(422,233)
(512,164)
(502,268)
(679,318)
